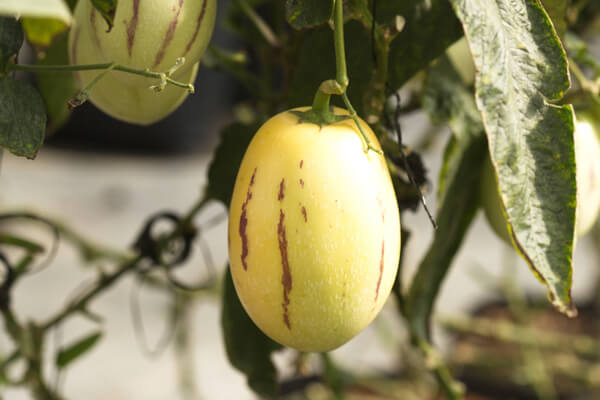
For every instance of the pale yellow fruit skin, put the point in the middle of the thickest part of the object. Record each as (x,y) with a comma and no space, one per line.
(587,159)
(335,221)
(140,43)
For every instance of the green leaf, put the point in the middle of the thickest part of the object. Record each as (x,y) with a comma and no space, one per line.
(308,13)
(57,88)
(107,9)
(56,9)
(521,67)
(41,31)
(447,100)
(557,11)
(77,349)
(227,159)
(22,118)
(248,349)
(430,28)
(11,39)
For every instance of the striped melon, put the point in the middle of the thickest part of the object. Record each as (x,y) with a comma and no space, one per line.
(148,34)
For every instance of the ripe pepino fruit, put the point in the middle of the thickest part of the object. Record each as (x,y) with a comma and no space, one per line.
(314,232)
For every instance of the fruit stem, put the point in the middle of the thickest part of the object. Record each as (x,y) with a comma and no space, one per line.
(105,66)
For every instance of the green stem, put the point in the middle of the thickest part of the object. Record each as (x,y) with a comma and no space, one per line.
(321,102)
(354,116)
(340,52)
(92,67)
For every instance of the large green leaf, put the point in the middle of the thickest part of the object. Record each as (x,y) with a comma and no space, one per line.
(430,28)
(248,349)
(56,9)
(521,67)
(308,13)
(223,169)
(11,39)
(447,100)
(22,118)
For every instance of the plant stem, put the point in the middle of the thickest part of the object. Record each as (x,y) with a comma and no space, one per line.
(340,53)
(92,67)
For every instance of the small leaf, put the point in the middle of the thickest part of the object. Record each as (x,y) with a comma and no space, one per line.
(308,13)
(77,349)
(56,9)
(430,28)
(447,100)
(42,31)
(521,67)
(22,118)
(107,9)
(11,39)
(227,159)
(248,349)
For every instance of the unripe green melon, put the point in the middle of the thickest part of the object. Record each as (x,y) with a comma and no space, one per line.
(587,159)
(314,232)
(147,34)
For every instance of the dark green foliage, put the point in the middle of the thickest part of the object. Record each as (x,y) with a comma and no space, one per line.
(248,349)
(22,118)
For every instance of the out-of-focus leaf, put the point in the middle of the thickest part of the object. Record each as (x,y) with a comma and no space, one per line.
(22,118)
(56,9)
(557,11)
(107,9)
(521,67)
(77,349)
(308,13)
(11,39)
(227,159)
(41,31)
(447,100)
(248,349)
(430,28)
(57,88)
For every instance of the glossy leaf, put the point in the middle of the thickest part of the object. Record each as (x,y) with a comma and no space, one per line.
(22,118)
(521,68)
(248,349)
